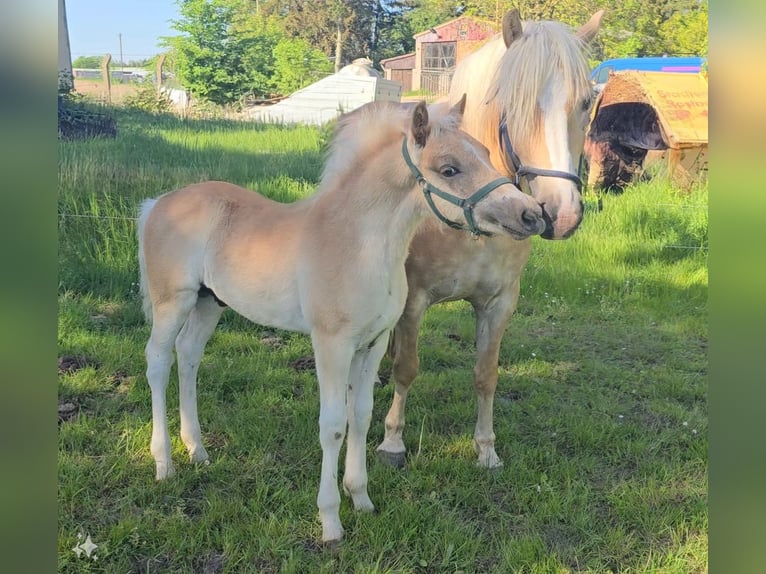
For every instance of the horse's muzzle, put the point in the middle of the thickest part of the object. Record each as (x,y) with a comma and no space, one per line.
(561,226)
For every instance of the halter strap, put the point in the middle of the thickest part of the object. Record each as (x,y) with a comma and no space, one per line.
(466,204)
(529,172)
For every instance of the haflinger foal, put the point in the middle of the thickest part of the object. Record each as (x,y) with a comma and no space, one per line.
(331,266)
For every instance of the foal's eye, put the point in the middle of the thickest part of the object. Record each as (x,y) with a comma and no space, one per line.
(587,102)
(449,171)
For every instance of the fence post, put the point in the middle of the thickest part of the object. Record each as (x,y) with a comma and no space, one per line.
(107,77)
(158,72)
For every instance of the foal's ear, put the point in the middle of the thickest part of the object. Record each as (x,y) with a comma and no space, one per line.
(458,108)
(512,29)
(420,127)
(588,31)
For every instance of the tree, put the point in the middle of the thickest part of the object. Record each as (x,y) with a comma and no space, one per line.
(296,64)
(88,62)
(209,57)
(686,32)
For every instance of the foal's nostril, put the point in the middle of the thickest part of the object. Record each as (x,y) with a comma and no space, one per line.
(530,218)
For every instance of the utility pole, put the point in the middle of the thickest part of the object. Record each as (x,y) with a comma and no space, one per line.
(122,62)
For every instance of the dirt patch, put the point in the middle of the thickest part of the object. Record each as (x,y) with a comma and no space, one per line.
(210,563)
(303,364)
(72,363)
(96,90)
(67,411)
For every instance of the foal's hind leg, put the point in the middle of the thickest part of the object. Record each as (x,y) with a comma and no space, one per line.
(190,344)
(491,321)
(404,370)
(167,319)
(359,405)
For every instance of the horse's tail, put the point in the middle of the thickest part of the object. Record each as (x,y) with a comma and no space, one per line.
(143,215)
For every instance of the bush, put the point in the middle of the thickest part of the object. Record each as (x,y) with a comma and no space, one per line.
(77,120)
(147,99)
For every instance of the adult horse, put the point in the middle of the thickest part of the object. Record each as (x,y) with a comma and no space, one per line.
(331,266)
(528,102)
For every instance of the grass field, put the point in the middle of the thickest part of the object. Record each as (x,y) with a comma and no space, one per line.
(601,412)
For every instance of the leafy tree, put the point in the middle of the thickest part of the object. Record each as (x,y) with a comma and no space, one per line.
(88,62)
(209,57)
(686,32)
(296,64)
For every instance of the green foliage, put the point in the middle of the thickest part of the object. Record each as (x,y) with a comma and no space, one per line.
(89,62)
(146,99)
(296,64)
(209,57)
(687,32)
(79,120)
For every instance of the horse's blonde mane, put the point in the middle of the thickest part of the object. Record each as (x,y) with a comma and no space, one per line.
(546,48)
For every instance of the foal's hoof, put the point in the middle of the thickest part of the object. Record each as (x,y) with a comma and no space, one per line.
(164,470)
(395,459)
(199,456)
(489,460)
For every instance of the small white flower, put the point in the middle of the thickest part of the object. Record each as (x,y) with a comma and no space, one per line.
(620,417)
(686,424)
(534,354)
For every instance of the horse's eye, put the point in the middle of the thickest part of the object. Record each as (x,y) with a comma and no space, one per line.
(587,102)
(449,171)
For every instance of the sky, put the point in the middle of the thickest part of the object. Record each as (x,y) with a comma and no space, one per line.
(95,25)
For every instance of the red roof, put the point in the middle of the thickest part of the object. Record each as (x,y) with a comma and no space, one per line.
(403,62)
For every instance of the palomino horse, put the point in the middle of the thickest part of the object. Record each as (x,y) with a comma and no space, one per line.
(331,266)
(528,102)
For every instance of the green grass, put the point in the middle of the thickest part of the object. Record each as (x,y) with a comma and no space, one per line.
(600,416)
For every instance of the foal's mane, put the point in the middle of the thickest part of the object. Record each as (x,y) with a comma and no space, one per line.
(546,49)
(359,137)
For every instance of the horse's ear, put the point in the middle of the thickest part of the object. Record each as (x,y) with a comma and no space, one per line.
(459,107)
(588,31)
(420,127)
(512,29)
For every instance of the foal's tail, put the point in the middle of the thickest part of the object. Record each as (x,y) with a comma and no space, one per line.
(143,215)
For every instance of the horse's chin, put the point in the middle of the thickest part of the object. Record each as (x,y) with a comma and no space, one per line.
(557,232)
(560,226)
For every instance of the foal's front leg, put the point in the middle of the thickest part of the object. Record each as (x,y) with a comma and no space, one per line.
(333,361)
(360,400)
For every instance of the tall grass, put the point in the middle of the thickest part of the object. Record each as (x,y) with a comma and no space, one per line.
(600,413)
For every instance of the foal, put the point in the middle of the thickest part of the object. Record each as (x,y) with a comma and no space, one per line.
(331,266)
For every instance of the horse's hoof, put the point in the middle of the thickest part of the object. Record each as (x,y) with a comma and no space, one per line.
(199,456)
(332,537)
(490,462)
(164,470)
(395,459)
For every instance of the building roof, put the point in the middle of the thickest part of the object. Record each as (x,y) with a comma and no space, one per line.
(402,62)
(453,22)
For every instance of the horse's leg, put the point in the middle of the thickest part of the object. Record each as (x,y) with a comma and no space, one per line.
(360,398)
(491,321)
(333,361)
(403,372)
(167,320)
(190,344)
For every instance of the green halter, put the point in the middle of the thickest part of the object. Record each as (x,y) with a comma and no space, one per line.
(467,204)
